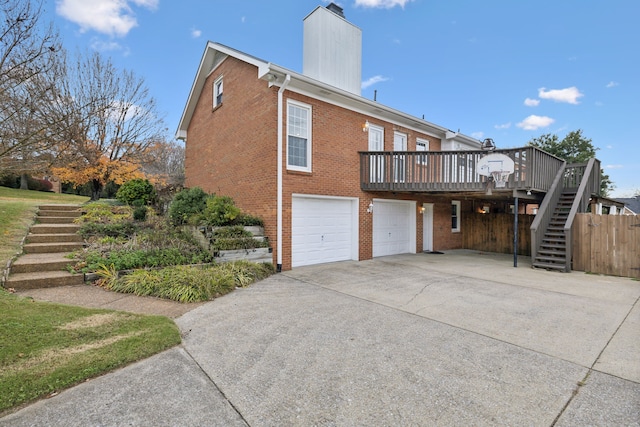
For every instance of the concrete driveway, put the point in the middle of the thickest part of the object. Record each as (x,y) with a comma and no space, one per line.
(456,339)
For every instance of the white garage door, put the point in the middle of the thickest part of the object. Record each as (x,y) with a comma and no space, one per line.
(323,230)
(394,227)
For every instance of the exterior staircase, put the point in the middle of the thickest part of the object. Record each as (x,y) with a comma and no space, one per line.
(552,254)
(43,262)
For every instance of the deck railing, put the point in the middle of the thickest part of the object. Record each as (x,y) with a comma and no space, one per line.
(435,171)
(588,185)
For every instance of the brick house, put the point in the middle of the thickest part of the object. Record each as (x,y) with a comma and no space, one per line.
(334,176)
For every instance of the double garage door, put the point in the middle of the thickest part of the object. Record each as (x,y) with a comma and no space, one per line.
(326,229)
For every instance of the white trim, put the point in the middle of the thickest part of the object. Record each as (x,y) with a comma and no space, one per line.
(458,215)
(427,226)
(214,54)
(412,221)
(355,220)
(308,136)
(279,156)
(424,143)
(217,81)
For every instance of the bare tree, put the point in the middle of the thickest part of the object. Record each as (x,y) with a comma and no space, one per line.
(111,120)
(29,67)
(164,163)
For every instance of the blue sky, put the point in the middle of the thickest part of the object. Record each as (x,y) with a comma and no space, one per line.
(505,69)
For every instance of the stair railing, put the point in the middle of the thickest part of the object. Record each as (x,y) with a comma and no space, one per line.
(545,211)
(589,185)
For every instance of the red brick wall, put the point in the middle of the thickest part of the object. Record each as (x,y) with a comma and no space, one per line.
(232,151)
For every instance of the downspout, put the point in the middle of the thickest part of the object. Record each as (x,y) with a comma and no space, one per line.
(280,156)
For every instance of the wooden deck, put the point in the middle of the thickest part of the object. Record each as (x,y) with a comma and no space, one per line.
(454,171)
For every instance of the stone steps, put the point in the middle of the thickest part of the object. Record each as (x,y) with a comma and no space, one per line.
(43,279)
(31,263)
(48,248)
(44,260)
(53,238)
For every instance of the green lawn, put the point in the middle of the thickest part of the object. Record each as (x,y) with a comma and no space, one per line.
(17,212)
(47,347)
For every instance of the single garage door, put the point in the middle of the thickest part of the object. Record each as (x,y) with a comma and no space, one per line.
(394,227)
(323,230)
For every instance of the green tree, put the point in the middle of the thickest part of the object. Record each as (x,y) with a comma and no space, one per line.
(573,148)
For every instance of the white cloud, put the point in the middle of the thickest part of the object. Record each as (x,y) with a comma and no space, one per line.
(243,19)
(382,4)
(534,122)
(609,147)
(569,95)
(373,80)
(531,102)
(614,167)
(195,33)
(503,126)
(101,45)
(612,84)
(477,135)
(112,17)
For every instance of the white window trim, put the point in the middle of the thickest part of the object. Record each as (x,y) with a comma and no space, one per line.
(456,203)
(215,92)
(309,144)
(422,160)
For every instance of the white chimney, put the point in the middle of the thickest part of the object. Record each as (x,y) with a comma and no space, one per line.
(332,49)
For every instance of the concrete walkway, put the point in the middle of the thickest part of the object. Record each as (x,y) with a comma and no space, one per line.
(455,339)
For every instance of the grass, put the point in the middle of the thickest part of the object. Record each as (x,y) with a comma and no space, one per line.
(186,283)
(47,347)
(17,212)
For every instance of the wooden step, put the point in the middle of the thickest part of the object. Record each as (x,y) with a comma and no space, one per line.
(53,238)
(39,248)
(32,263)
(550,259)
(548,266)
(46,279)
(553,253)
(55,220)
(55,207)
(71,214)
(54,228)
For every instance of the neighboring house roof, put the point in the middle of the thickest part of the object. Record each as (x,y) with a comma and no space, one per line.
(631,203)
(215,53)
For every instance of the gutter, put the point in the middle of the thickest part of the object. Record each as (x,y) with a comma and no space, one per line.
(280,156)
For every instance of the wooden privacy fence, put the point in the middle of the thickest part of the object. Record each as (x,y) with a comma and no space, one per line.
(493,232)
(607,244)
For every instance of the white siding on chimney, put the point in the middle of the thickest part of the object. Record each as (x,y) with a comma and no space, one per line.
(332,50)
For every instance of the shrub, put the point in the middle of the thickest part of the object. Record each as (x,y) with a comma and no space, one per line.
(186,204)
(220,210)
(122,229)
(128,259)
(248,220)
(140,213)
(99,212)
(136,189)
(187,283)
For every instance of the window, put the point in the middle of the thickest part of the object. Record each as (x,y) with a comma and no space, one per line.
(422,145)
(455,216)
(298,137)
(217,92)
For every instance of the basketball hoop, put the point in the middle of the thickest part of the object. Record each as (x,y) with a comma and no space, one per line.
(497,167)
(500,178)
